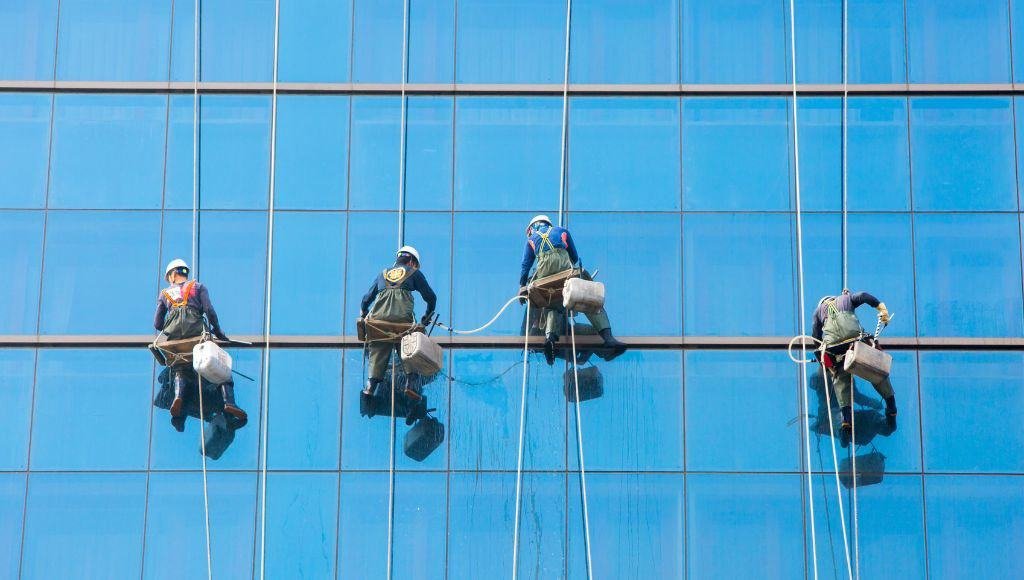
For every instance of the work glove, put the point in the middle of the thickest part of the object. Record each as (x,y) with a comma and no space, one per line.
(883,313)
(425,321)
(523,294)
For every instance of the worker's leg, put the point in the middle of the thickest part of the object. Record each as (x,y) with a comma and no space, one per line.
(599,320)
(379,354)
(884,388)
(842,385)
(179,381)
(227,391)
(552,319)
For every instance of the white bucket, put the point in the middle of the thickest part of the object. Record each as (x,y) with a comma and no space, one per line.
(581,295)
(212,362)
(421,355)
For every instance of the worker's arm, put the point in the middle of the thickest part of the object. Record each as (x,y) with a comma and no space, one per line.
(204,301)
(161,313)
(570,246)
(529,255)
(859,298)
(368,298)
(816,326)
(420,284)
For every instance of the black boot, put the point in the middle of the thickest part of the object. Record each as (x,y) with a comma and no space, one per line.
(366,397)
(178,423)
(617,347)
(179,395)
(227,390)
(549,348)
(846,429)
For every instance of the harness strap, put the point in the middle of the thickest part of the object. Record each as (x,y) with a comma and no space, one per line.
(187,292)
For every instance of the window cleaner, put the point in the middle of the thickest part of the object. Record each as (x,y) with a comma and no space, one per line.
(554,252)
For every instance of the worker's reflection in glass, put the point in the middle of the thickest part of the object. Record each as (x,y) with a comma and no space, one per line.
(427,433)
(221,427)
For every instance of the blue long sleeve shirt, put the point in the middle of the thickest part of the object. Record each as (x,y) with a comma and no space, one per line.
(559,237)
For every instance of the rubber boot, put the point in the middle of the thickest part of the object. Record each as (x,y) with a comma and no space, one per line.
(179,395)
(366,397)
(846,429)
(549,348)
(617,347)
(227,390)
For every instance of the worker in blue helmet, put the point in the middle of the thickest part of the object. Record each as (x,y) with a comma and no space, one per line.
(552,249)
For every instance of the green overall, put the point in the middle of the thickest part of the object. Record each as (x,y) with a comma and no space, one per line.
(550,261)
(393,304)
(183,320)
(843,325)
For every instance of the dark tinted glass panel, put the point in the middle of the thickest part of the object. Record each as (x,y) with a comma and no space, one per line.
(77,243)
(876,50)
(963,153)
(302,523)
(307,287)
(312,152)
(237,41)
(507,152)
(734,41)
(736,153)
(305,409)
(19,295)
(12,509)
(624,154)
(941,52)
(28,30)
(984,249)
(618,41)
(84,525)
(117,40)
(108,151)
(968,401)
(25,141)
(315,41)
(511,42)
(877,154)
(17,367)
(377,47)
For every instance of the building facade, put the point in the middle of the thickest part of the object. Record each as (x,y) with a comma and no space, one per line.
(707,454)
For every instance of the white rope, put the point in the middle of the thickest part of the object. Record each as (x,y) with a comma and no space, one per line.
(401,142)
(800,280)
(565,115)
(579,447)
(519,460)
(835,463)
(489,322)
(391,471)
(265,394)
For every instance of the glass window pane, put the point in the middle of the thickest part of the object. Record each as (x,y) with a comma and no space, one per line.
(428,153)
(237,41)
(363,525)
(305,409)
(12,509)
(302,524)
(619,41)
(603,246)
(819,40)
(17,367)
(734,41)
(623,146)
(95,138)
(311,30)
(878,154)
(876,50)
(307,287)
(19,295)
(821,153)
(420,523)
(114,40)
(79,242)
(377,48)
(968,400)
(175,522)
(722,249)
(25,141)
(963,153)
(981,248)
(940,51)
(732,425)
(312,152)
(372,242)
(511,42)
(736,153)
(430,234)
(28,31)
(507,153)
(84,525)
(732,514)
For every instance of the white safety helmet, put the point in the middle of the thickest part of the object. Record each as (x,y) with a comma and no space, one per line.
(537,218)
(825,299)
(174,265)
(408,250)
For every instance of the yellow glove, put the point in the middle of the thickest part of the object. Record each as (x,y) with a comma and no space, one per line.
(883,313)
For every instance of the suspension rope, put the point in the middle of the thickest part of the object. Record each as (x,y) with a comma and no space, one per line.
(265,390)
(565,116)
(404,113)
(391,470)
(579,446)
(519,460)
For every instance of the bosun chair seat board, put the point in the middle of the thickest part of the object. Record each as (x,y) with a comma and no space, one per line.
(547,291)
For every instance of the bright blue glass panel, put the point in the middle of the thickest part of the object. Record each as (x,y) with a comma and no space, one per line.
(114,40)
(734,41)
(307,287)
(75,240)
(431,235)
(485,404)
(973,524)
(508,153)
(420,519)
(312,152)
(511,42)
(981,249)
(877,154)
(731,426)
(25,142)
(108,151)
(428,153)
(377,47)
(876,50)
(23,252)
(731,515)
(606,241)
(958,41)
(482,521)
(821,153)
(736,153)
(819,40)
(372,242)
(963,153)
(619,41)
(363,524)
(725,258)
(175,542)
(621,147)
(12,502)
(305,409)
(302,524)
(636,525)
(1017,33)
(315,40)
(28,30)
(620,430)
(85,525)
(17,367)
(969,400)
(91,409)
(237,41)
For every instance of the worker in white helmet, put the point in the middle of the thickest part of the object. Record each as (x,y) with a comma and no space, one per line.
(184,310)
(553,250)
(390,299)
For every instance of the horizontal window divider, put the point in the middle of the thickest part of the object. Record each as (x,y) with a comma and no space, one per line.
(385,471)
